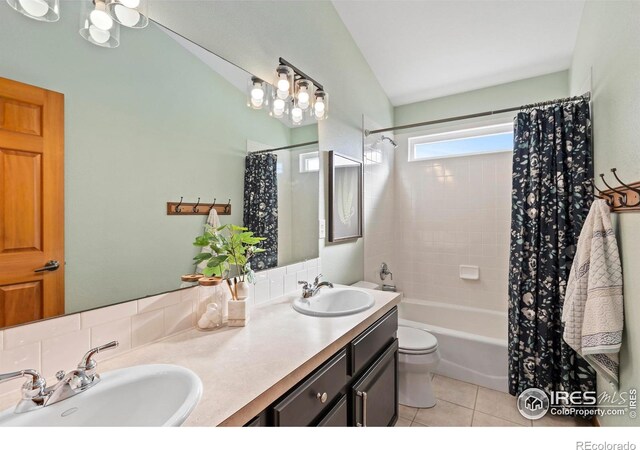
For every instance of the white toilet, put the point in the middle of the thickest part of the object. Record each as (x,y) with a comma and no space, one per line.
(418,357)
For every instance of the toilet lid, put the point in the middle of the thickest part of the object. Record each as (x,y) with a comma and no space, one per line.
(414,339)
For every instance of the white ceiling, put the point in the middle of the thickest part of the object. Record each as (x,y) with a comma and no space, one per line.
(425,49)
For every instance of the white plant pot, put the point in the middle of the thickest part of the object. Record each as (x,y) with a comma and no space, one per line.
(242,289)
(238,313)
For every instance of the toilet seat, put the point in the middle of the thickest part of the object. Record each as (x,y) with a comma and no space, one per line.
(414,341)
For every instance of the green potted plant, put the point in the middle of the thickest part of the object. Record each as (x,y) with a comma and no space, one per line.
(232,248)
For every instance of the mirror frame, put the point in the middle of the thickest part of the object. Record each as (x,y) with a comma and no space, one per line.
(331,199)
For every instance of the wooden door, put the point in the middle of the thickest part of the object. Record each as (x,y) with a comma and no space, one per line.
(31,202)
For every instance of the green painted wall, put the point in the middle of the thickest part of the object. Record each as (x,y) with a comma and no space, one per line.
(309,34)
(606,57)
(492,98)
(145,124)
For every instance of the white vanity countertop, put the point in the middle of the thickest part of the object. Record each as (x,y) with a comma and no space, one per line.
(245,369)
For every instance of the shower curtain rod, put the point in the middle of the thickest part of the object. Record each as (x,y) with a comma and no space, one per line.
(586,96)
(287,147)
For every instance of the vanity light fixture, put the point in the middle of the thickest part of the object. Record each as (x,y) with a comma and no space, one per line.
(129,13)
(303,96)
(284,81)
(97,26)
(257,93)
(293,95)
(42,10)
(321,105)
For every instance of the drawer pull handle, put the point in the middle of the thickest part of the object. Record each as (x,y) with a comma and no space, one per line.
(322,397)
(363,394)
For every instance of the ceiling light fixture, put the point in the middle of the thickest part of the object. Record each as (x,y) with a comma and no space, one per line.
(129,13)
(42,10)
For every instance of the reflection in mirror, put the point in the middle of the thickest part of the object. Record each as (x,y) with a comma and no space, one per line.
(153,121)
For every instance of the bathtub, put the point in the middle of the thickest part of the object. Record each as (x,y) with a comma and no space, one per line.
(472,341)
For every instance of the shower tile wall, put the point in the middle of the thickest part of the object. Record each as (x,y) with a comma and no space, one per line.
(449,212)
(379,213)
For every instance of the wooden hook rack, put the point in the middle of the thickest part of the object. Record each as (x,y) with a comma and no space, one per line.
(197,209)
(621,199)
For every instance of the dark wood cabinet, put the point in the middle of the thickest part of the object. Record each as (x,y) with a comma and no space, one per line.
(338,416)
(374,395)
(358,386)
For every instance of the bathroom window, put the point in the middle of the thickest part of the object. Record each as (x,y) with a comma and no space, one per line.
(470,141)
(309,162)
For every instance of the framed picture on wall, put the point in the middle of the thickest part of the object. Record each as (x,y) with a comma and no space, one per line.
(345,198)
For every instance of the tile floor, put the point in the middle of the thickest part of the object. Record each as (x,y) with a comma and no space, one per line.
(468,405)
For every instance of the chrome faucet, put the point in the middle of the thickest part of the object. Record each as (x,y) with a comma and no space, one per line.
(309,290)
(36,394)
(384,271)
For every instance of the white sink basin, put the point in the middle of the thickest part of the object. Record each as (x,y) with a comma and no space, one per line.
(139,396)
(334,302)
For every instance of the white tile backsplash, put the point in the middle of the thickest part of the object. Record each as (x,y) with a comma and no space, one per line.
(178,318)
(108,314)
(19,358)
(147,327)
(118,330)
(59,343)
(159,301)
(64,352)
(36,332)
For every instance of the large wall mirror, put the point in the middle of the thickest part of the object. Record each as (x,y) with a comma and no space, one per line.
(154,120)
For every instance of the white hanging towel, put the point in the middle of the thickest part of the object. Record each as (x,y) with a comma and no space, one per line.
(593,312)
(214,221)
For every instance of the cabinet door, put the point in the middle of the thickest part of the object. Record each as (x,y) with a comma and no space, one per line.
(338,416)
(374,396)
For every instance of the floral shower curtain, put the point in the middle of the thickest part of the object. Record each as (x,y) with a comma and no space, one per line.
(261,205)
(551,196)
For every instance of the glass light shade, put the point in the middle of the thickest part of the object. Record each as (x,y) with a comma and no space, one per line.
(304,90)
(43,10)
(297,115)
(284,82)
(97,27)
(129,13)
(321,105)
(279,107)
(257,94)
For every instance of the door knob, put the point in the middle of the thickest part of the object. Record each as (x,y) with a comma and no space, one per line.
(50,266)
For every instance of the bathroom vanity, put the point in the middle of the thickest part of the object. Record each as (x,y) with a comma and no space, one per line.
(358,386)
(284,368)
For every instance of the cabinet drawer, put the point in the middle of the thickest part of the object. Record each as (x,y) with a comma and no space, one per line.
(302,406)
(338,416)
(366,347)
(374,395)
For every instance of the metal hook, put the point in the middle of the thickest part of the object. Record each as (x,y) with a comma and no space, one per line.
(623,195)
(195,208)
(609,198)
(637,191)
(178,206)
(227,207)
(213,205)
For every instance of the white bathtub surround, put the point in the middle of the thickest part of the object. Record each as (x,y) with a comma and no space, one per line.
(243,370)
(472,342)
(380,235)
(59,343)
(452,212)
